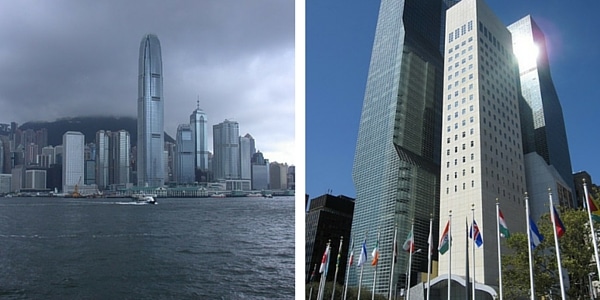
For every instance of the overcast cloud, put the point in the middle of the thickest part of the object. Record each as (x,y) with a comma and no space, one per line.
(79,58)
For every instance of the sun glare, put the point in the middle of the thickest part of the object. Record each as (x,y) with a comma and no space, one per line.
(526,53)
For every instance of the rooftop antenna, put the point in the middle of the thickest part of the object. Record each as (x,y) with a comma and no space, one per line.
(198,102)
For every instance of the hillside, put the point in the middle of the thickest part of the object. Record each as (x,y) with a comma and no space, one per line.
(88,126)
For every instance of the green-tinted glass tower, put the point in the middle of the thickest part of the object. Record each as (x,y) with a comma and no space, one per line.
(396,164)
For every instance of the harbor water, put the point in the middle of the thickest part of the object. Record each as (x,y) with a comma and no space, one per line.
(199,248)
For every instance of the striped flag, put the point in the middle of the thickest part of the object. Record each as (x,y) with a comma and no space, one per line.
(325,260)
(351,258)
(536,237)
(445,239)
(594,208)
(503,228)
(375,254)
(558,224)
(409,244)
(363,254)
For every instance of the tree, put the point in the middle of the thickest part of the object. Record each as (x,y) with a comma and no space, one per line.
(576,252)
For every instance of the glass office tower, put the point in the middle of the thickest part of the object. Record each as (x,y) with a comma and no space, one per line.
(396,164)
(549,134)
(199,125)
(150,140)
(184,156)
(226,145)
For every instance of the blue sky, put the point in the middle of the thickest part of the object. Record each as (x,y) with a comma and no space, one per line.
(339,37)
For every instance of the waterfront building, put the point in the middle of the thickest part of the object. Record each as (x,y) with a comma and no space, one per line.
(396,163)
(90,172)
(184,155)
(260,172)
(246,156)
(482,151)
(278,176)
(102,158)
(119,158)
(291,177)
(73,169)
(5,183)
(150,121)
(199,126)
(17,178)
(548,135)
(226,144)
(35,179)
(3,146)
(328,218)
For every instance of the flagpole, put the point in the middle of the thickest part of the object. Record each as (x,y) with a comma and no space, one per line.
(587,198)
(348,265)
(394,249)
(310,279)
(362,263)
(324,272)
(473,250)
(410,252)
(450,250)
(531,286)
(430,242)
(337,265)
(467,268)
(556,245)
(499,250)
(375,251)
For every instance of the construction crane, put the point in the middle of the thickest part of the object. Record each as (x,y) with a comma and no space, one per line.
(76,193)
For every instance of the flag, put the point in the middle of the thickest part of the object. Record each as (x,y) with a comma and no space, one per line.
(476,235)
(363,254)
(536,237)
(395,253)
(351,258)
(409,244)
(558,224)
(375,254)
(594,208)
(445,239)
(325,260)
(503,228)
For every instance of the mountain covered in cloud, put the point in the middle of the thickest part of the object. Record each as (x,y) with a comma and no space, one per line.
(88,126)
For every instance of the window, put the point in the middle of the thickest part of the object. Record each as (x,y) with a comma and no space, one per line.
(451,37)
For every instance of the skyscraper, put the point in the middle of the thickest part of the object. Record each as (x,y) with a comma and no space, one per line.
(150,123)
(246,156)
(119,158)
(482,152)
(184,155)
(226,144)
(199,125)
(102,158)
(73,161)
(549,135)
(396,163)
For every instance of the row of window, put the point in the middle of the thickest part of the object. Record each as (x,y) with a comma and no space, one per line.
(463,29)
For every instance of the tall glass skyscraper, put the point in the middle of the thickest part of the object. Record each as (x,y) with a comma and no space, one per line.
(119,157)
(73,162)
(150,129)
(396,164)
(226,144)
(549,134)
(199,126)
(102,158)
(184,155)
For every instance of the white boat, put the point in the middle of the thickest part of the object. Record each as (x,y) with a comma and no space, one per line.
(218,195)
(143,198)
(254,195)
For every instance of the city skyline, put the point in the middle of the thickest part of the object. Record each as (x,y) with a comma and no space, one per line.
(336,80)
(67,60)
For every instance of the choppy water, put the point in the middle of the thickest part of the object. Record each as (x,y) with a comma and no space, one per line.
(231,248)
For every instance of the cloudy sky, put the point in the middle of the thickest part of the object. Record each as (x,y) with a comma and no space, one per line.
(78,58)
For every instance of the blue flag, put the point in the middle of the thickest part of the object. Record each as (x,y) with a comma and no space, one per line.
(476,234)
(536,237)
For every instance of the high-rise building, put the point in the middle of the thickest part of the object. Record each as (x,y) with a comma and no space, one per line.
(260,172)
(73,161)
(102,158)
(328,218)
(199,125)
(119,158)
(278,175)
(482,152)
(226,144)
(150,122)
(184,156)
(396,163)
(549,137)
(246,156)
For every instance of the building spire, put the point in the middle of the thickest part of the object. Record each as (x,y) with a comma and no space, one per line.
(198,102)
